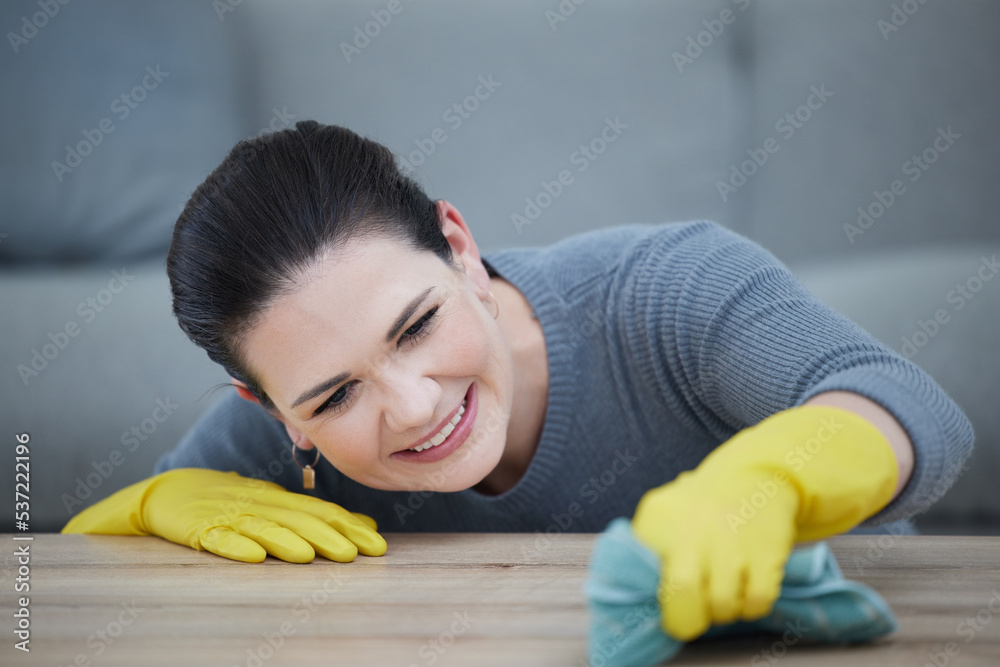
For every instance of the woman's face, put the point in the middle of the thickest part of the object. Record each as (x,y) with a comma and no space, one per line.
(379,348)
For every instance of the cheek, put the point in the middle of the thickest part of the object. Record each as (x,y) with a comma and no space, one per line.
(460,357)
(467,345)
(349,452)
(345,444)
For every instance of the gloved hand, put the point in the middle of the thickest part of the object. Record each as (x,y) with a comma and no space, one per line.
(232,516)
(724,530)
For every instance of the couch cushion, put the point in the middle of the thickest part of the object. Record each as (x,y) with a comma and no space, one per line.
(125,86)
(892,91)
(563,69)
(100,376)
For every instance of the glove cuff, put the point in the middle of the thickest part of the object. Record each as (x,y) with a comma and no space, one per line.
(121,513)
(840,465)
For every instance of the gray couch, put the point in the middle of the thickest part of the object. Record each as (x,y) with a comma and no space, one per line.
(788,122)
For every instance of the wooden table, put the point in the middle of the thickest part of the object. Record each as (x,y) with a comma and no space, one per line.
(440,599)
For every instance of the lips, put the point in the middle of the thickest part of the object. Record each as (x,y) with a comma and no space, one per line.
(439,426)
(454,440)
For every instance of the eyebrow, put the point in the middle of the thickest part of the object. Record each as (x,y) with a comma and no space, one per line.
(397,325)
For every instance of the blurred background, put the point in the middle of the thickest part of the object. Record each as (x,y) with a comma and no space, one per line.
(857,140)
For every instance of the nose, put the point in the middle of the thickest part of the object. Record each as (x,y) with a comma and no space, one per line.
(410,402)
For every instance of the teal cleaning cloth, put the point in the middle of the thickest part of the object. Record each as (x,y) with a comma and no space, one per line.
(816,603)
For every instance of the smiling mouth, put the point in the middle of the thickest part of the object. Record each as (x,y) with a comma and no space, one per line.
(452,435)
(443,434)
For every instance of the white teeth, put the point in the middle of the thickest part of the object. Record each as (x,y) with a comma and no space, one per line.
(441,435)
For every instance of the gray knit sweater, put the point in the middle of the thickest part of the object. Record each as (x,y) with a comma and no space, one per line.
(663,341)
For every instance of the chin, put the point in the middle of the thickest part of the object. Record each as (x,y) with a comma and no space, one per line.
(463,473)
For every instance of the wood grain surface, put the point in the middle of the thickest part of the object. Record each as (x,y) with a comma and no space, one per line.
(443,599)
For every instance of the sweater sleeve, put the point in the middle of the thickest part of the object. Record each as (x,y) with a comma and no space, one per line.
(236,435)
(727,333)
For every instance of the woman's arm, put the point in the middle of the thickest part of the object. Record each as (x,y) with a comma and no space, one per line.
(731,338)
(881,419)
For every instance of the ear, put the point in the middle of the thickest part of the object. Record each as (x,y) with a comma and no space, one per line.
(456,231)
(243,391)
(298,438)
(295,435)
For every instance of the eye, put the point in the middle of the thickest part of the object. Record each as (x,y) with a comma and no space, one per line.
(341,399)
(420,328)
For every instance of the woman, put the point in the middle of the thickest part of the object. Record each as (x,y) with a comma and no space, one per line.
(537,389)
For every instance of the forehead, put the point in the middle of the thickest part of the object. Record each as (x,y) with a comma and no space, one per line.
(357,270)
(338,314)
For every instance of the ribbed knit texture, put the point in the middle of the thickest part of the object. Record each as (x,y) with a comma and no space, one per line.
(663,341)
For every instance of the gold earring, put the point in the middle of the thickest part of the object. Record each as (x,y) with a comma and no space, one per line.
(308,473)
(495,302)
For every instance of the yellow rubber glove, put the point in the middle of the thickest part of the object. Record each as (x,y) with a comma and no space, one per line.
(724,530)
(232,516)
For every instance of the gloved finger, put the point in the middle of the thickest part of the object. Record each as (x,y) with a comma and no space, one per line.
(357,530)
(725,585)
(685,611)
(276,540)
(363,536)
(225,542)
(323,537)
(331,513)
(367,541)
(368,544)
(766,570)
(764,576)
